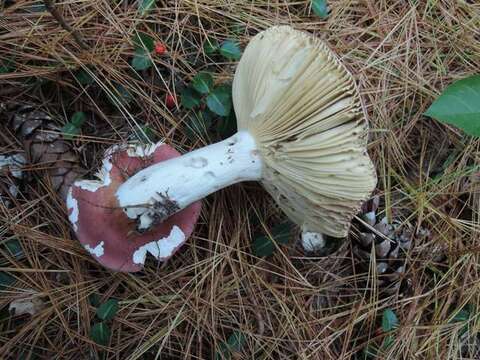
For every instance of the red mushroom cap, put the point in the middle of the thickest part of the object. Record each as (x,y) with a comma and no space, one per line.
(104,229)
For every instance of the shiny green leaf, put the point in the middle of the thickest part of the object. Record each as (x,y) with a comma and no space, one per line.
(203,82)
(107,310)
(84,77)
(211,46)
(235,342)
(14,248)
(230,50)
(389,320)
(6,280)
(320,8)
(69,131)
(143,41)
(459,105)
(145,6)
(94,299)
(144,134)
(100,333)
(120,95)
(189,98)
(219,100)
(264,246)
(78,119)
(141,59)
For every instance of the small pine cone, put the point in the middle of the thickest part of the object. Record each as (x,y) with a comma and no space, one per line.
(44,146)
(390,241)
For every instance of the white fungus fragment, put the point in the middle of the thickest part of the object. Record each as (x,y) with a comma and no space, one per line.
(14,164)
(30,305)
(142,150)
(162,248)
(312,241)
(97,250)
(72,205)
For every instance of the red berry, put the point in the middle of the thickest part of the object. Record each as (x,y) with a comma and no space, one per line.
(170,101)
(160,48)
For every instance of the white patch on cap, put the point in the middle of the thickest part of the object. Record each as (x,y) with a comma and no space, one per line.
(72,204)
(162,248)
(97,250)
(103,175)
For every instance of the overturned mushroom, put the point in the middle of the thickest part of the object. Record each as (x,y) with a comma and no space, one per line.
(301,133)
(103,228)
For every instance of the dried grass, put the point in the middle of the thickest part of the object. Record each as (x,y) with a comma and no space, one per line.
(403,53)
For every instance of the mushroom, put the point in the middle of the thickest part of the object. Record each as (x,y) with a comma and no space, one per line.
(104,229)
(302,133)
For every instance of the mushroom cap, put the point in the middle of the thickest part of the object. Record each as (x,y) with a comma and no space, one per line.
(104,229)
(303,109)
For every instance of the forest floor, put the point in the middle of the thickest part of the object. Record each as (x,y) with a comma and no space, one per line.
(216,298)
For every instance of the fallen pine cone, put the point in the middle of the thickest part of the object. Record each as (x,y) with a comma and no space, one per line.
(43,145)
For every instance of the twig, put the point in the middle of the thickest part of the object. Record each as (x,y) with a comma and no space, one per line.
(56,14)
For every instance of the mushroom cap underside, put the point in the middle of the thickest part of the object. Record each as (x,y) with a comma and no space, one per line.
(104,229)
(304,111)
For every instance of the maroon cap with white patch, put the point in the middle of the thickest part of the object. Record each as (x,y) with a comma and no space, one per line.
(105,230)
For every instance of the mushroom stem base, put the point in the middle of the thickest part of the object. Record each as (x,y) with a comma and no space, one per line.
(159,191)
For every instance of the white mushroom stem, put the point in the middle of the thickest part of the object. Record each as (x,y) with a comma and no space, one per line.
(159,191)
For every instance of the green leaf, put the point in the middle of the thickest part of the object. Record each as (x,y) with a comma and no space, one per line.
(220,100)
(211,46)
(264,246)
(203,82)
(235,342)
(320,8)
(143,41)
(189,98)
(100,333)
(7,66)
(387,342)
(6,280)
(107,310)
(120,94)
(389,320)
(69,131)
(141,59)
(227,126)
(238,28)
(459,105)
(14,248)
(84,77)
(72,128)
(464,315)
(94,299)
(144,134)
(370,352)
(145,6)
(230,50)
(78,119)
(5,69)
